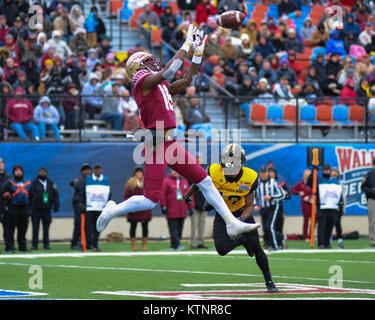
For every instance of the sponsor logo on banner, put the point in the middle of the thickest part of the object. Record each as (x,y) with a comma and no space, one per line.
(353,165)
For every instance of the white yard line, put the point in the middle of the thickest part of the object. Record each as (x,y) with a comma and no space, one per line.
(176,271)
(173,253)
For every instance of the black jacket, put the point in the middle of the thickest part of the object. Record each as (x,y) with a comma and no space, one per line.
(79,185)
(4,177)
(368,185)
(36,195)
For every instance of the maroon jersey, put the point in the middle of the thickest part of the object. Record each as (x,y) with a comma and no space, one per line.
(155,106)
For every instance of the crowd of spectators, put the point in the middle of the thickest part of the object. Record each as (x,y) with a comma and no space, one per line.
(46,67)
(67,56)
(264,61)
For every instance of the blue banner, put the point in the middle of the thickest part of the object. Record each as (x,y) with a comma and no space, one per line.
(64,160)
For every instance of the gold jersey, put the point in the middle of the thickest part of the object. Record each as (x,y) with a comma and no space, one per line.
(235,190)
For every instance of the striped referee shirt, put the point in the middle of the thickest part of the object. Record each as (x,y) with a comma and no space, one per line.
(271,188)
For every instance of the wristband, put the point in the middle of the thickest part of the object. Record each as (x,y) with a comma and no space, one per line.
(197,59)
(185,47)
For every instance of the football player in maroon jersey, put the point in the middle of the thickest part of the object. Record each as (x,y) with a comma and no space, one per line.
(153,95)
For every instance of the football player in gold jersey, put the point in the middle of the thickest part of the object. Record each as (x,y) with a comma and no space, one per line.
(237,184)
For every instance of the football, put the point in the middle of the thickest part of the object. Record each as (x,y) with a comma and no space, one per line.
(230,19)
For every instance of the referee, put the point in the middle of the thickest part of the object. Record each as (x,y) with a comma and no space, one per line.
(269,196)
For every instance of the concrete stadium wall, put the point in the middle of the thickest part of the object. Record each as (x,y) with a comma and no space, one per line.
(62,228)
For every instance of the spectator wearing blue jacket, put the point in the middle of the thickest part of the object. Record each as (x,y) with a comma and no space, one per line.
(351,26)
(265,47)
(47,116)
(90,100)
(90,25)
(335,44)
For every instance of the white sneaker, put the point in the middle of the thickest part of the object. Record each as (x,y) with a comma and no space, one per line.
(104,218)
(238,227)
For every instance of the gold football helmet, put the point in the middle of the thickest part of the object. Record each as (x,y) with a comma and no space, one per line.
(142,60)
(233,158)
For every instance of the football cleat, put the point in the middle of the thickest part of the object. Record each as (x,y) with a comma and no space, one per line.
(237,227)
(271,288)
(104,217)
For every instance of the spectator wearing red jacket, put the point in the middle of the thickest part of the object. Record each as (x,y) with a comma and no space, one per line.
(174,206)
(4,28)
(133,187)
(203,11)
(348,92)
(293,63)
(20,112)
(303,190)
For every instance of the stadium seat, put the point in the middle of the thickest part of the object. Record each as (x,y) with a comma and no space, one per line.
(341,114)
(258,113)
(356,113)
(308,114)
(134,17)
(116,6)
(156,37)
(174,6)
(275,113)
(328,102)
(324,114)
(290,113)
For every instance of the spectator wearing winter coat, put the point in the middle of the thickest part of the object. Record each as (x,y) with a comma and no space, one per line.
(319,66)
(331,86)
(169,31)
(195,116)
(91,25)
(43,198)
(213,47)
(365,36)
(71,103)
(351,26)
(286,7)
(245,49)
(77,16)
(149,19)
(78,43)
(129,109)
(268,73)
(282,92)
(30,49)
(65,25)
(204,9)
(19,112)
(265,47)
(286,71)
(292,42)
(61,48)
(174,207)
(92,59)
(335,44)
(364,92)
(347,93)
(90,100)
(333,64)
(109,111)
(10,11)
(4,28)
(319,36)
(11,44)
(167,16)
(21,81)
(349,40)
(307,29)
(229,51)
(47,116)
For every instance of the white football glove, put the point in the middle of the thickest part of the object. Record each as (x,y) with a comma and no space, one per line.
(189,41)
(198,46)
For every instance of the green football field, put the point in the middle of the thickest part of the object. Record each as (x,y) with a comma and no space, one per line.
(119,273)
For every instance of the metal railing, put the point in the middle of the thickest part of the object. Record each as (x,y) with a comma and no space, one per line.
(255,114)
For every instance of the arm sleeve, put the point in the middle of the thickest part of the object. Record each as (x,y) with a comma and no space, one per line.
(280,195)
